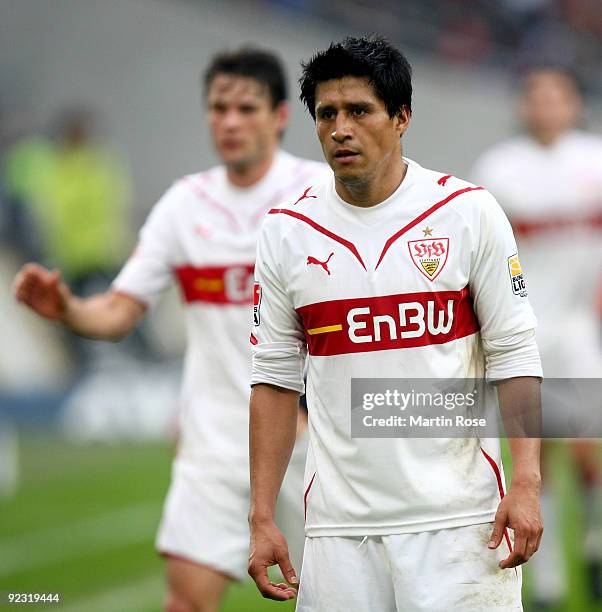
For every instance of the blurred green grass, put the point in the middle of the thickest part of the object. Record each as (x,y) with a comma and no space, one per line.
(84,519)
(83,524)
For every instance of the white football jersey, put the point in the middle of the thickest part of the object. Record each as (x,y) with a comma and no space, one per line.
(405,289)
(553,198)
(202,234)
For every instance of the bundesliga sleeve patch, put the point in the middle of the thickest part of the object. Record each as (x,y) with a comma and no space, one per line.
(256,302)
(517,277)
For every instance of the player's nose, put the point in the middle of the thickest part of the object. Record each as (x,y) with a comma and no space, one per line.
(342,128)
(231,120)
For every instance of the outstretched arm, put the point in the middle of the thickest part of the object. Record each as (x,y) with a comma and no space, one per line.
(106,316)
(273,424)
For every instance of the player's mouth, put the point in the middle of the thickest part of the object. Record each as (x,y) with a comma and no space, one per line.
(231,145)
(345,156)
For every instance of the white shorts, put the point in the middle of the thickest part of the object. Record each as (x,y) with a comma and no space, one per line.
(205,516)
(450,570)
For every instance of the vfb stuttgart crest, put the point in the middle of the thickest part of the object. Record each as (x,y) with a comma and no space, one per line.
(429,255)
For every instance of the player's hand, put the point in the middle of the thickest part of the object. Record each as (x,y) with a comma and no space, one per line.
(42,290)
(268,547)
(519,511)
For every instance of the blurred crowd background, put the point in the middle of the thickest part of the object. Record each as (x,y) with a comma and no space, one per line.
(101,109)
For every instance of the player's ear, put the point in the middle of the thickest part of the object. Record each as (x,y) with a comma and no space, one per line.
(282,112)
(402,119)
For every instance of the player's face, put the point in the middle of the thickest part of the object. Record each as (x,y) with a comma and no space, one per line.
(359,139)
(244,125)
(550,105)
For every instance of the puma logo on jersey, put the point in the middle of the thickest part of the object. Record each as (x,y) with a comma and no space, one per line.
(444,180)
(305,196)
(316,262)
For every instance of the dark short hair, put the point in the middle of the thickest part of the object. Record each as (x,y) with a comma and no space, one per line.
(388,71)
(563,69)
(259,64)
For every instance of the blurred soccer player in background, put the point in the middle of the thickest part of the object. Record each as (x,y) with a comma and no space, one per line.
(202,234)
(390,270)
(549,181)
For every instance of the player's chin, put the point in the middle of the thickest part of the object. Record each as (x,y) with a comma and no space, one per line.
(349,176)
(234,156)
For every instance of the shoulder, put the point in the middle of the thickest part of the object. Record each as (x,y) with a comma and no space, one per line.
(303,203)
(302,168)
(440,186)
(504,155)
(470,201)
(193,188)
(585,142)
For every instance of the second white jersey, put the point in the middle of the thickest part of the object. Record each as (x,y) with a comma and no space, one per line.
(553,198)
(404,289)
(202,234)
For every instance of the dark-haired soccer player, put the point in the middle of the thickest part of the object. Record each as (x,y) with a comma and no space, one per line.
(202,234)
(389,270)
(549,182)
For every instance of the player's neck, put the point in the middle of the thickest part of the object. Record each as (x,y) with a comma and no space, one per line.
(247,176)
(375,189)
(547,139)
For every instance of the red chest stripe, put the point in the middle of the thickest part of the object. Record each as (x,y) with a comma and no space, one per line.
(420,218)
(527,228)
(321,229)
(405,320)
(217,284)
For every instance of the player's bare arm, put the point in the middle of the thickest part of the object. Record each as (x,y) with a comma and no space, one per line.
(273,424)
(519,510)
(107,316)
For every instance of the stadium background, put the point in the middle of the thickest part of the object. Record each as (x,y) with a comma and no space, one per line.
(79,510)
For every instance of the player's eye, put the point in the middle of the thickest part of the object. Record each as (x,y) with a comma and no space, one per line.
(358,111)
(247,109)
(326,114)
(218,108)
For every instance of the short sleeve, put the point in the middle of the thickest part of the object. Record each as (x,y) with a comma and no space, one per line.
(277,338)
(497,282)
(148,272)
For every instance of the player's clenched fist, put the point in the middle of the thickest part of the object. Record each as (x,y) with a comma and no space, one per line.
(268,547)
(42,290)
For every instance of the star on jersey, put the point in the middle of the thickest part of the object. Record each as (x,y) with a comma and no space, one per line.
(427,231)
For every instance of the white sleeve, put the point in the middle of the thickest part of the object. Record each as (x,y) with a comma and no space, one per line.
(497,283)
(278,341)
(511,356)
(149,270)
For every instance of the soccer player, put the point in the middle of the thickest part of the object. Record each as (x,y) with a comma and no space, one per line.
(389,270)
(202,234)
(549,182)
